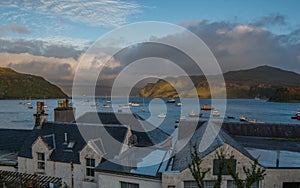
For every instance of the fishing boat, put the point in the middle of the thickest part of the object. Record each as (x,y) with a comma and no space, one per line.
(162,115)
(206,107)
(216,113)
(171,100)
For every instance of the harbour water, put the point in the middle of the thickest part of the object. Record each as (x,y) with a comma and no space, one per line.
(18,116)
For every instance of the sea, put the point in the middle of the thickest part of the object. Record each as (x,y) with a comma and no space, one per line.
(15,115)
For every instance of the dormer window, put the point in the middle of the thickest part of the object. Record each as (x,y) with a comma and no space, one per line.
(90,167)
(40,161)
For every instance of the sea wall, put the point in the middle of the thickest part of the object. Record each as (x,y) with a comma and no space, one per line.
(262,129)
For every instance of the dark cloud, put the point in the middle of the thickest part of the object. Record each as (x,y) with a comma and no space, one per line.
(39,48)
(273,19)
(14,28)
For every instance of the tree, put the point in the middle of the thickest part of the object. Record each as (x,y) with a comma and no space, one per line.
(222,165)
(197,171)
(253,174)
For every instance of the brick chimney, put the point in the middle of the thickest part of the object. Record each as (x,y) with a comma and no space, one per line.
(40,117)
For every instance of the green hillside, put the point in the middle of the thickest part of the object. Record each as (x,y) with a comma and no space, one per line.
(14,85)
(263,82)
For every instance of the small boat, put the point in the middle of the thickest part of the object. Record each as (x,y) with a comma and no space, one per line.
(230,117)
(216,113)
(171,100)
(162,115)
(143,109)
(179,104)
(206,107)
(297,116)
(105,106)
(252,121)
(135,104)
(30,106)
(243,118)
(192,114)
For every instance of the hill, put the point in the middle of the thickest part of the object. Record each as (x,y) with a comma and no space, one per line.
(14,85)
(264,82)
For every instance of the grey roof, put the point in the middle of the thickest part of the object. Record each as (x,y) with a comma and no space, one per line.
(147,134)
(13,139)
(149,162)
(182,158)
(61,152)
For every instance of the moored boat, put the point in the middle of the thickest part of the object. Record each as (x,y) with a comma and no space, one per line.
(206,107)
(171,100)
(162,115)
(179,104)
(243,118)
(192,114)
(216,113)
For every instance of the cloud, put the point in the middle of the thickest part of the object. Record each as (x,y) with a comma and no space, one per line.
(237,46)
(14,28)
(49,47)
(273,19)
(91,12)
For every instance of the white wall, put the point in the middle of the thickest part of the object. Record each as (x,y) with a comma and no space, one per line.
(107,180)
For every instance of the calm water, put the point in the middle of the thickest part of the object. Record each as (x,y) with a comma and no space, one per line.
(15,115)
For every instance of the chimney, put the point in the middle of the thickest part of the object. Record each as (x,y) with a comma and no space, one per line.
(64,112)
(40,117)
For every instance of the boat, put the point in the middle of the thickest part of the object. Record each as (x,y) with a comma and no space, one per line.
(192,114)
(30,107)
(171,100)
(243,118)
(297,116)
(206,107)
(105,106)
(230,117)
(143,109)
(179,104)
(162,115)
(216,113)
(135,104)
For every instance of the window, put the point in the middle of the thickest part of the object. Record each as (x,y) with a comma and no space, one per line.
(193,184)
(225,171)
(41,161)
(90,165)
(129,185)
(209,184)
(231,184)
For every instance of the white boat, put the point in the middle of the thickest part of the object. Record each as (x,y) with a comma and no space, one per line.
(216,113)
(182,118)
(179,104)
(105,106)
(135,104)
(162,115)
(192,114)
(243,118)
(171,100)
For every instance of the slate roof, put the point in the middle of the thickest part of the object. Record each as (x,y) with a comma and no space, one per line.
(147,134)
(61,152)
(11,141)
(148,162)
(182,158)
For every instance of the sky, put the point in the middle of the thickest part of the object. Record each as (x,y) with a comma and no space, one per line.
(48,37)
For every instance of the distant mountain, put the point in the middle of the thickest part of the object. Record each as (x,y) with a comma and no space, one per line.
(14,85)
(263,82)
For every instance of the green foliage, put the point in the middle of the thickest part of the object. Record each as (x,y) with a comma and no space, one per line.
(14,85)
(195,167)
